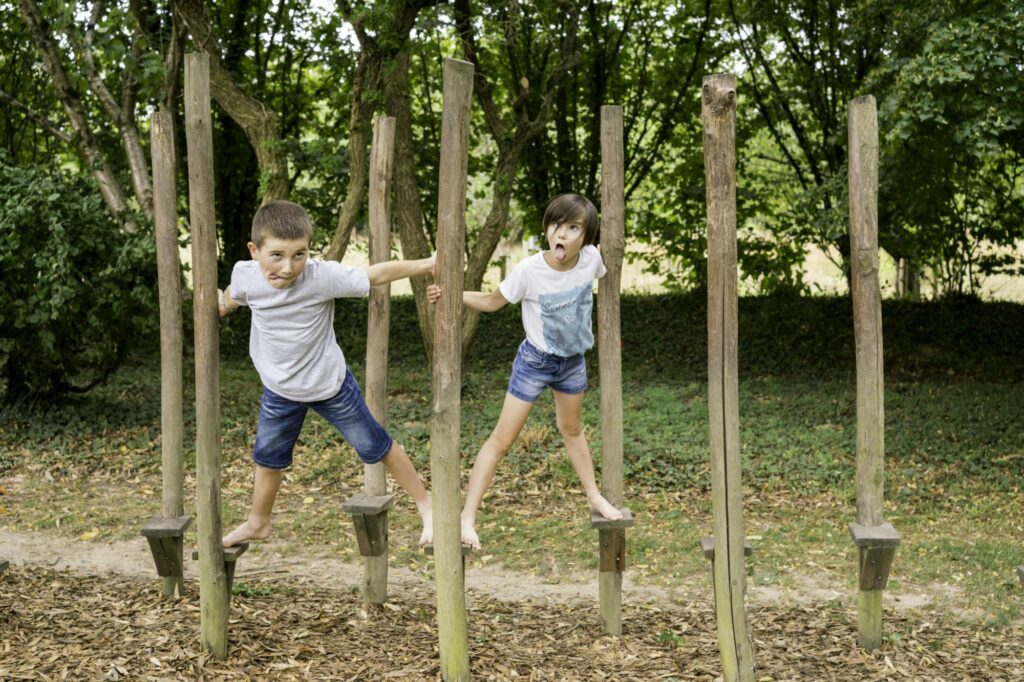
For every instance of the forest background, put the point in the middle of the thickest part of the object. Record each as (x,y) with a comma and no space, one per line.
(297,86)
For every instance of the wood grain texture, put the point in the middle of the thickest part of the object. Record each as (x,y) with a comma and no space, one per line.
(718,114)
(213,580)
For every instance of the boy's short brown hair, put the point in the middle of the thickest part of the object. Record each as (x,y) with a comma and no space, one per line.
(282,220)
(571,207)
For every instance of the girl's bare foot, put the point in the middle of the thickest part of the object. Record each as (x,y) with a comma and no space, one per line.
(469,536)
(250,530)
(604,508)
(427,515)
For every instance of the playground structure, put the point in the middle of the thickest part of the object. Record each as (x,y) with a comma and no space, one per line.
(727,548)
(875,540)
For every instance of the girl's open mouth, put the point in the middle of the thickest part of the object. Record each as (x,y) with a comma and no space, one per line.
(559,251)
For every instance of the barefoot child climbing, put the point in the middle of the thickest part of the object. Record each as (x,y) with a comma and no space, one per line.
(294,349)
(556,291)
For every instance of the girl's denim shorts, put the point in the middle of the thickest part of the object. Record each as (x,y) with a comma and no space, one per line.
(533,370)
(281,420)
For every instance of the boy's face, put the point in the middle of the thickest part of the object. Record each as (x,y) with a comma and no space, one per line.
(565,239)
(281,260)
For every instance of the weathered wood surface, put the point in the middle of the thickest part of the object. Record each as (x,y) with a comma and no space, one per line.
(609,346)
(867,324)
(375,564)
(599,522)
(168,265)
(447,371)
(213,580)
(883,535)
(361,503)
(718,114)
(707,547)
(163,527)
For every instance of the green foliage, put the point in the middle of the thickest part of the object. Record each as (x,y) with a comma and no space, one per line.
(74,290)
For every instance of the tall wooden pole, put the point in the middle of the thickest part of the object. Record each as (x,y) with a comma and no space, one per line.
(447,370)
(213,586)
(718,114)
(876,540)
(610,356)
(375,568)
(165,208)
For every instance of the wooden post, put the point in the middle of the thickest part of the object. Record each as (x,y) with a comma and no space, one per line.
(213,592)
(867,324)
(165,209)
(447,371)
(609,346)
(375,568)
(718,114)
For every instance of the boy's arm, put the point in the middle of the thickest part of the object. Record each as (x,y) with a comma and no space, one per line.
(389,271)
(485,303)
(225,303)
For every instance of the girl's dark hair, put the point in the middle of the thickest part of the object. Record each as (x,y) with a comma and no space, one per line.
(566,207)
(282,220)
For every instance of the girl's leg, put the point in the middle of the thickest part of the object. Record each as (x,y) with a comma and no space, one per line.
(264,492)
(402,470)
(513,416)
(568,410)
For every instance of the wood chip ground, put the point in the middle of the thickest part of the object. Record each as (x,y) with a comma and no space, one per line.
(56,625)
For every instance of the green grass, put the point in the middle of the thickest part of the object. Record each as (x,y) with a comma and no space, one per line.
(954,449)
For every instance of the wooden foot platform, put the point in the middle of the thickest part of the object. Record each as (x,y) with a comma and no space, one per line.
(601,523)
(1020,574)
(231,555)
(370,517)
(707,546)
(428,549)
(165,536)
(876,548)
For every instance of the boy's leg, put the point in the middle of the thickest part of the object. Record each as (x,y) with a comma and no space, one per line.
(513,416)
(568,410)
(264,492)
(400,467)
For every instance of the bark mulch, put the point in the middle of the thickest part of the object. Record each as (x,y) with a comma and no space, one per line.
(59,625)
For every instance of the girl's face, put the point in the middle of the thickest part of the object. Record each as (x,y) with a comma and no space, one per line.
(565,240)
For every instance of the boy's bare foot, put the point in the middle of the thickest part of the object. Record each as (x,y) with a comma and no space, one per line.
(469,536)
(247,531)
(604,508)
(427,515)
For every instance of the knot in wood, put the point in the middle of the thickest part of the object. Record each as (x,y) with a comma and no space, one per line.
(718,100)
(867,261)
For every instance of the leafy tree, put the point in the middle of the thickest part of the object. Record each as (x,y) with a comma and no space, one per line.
(75,290)
(953,123)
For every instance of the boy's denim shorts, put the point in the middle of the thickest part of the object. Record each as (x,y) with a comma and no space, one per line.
(281,420)
(533,370)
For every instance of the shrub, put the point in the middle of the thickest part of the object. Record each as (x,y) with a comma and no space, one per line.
(74,290)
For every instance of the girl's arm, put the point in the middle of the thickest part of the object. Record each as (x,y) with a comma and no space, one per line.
(389,271)
(485,303)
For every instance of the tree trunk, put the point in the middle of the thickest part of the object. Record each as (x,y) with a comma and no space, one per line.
(71,100)
(261,124)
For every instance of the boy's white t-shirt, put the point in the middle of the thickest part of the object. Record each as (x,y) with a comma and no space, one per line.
(291,340)
(556,305)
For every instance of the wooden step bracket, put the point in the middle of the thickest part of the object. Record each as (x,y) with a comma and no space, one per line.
(370,517)
(707,546)
(612,539)
(231,555)
(876,546)
(165,536)
(428,549)
(1020,574)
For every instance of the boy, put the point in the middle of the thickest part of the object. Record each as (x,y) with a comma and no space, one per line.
(294,349)
(556,289)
